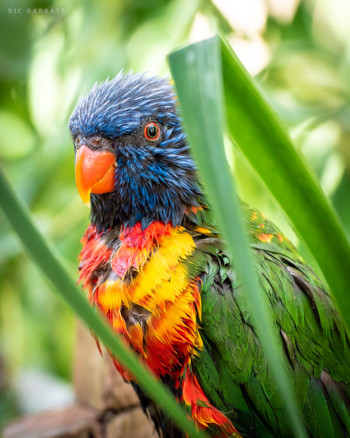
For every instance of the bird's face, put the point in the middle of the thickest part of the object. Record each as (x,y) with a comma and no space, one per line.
(131,157)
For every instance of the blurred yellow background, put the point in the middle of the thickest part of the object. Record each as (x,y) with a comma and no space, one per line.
(52,52)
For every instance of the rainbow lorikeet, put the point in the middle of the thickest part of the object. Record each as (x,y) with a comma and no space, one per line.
(152,261)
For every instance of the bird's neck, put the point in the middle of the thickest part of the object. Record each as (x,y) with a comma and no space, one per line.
(112,211)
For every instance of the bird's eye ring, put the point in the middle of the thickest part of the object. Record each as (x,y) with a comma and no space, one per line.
(152,131)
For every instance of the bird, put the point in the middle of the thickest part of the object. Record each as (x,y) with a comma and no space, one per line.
(153,262)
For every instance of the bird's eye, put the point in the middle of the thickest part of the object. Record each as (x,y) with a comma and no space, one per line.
(152,131)
(96,142)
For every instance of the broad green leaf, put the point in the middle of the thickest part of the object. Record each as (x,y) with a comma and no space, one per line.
(260,135)
(198,79)
(45,258)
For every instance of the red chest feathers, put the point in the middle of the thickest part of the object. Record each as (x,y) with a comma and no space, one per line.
(140,282)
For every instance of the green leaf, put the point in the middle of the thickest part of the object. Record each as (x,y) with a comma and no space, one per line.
(48,261)
(198,79)
(260,135)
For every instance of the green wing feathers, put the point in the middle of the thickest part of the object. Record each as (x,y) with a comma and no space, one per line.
(232,367)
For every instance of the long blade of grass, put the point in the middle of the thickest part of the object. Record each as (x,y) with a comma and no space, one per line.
(46,259)
(197,72)
(259,133)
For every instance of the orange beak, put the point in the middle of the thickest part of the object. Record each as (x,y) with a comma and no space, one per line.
(94,172)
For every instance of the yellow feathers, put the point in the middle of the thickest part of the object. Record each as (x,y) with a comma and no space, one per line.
(163,265)
(159,284)
(162,278)
(110,294)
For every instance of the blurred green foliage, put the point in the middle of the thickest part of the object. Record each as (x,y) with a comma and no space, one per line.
(48,60)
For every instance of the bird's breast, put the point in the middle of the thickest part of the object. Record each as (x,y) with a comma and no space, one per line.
(140,281)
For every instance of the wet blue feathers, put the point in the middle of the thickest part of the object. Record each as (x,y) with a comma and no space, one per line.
(118,106)
(153,181)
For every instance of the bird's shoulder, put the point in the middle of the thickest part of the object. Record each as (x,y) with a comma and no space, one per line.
(315,341)
(301,304)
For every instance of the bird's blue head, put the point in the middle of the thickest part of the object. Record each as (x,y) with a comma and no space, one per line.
(132,159)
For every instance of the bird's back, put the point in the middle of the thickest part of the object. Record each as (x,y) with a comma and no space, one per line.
(232,367)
